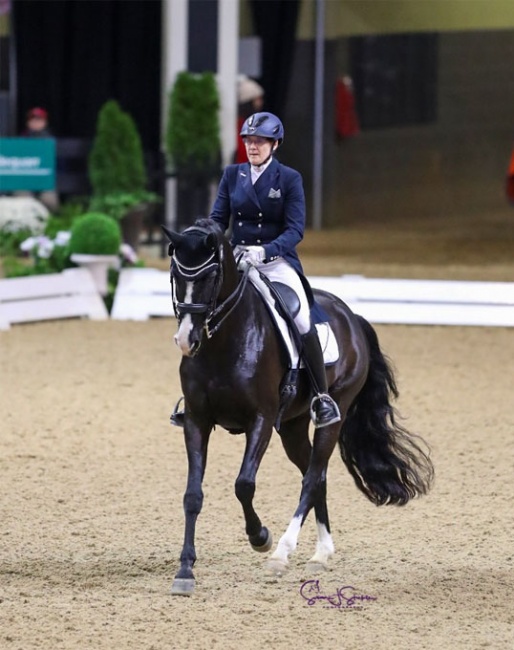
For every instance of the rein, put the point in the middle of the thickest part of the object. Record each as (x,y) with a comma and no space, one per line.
(234,297)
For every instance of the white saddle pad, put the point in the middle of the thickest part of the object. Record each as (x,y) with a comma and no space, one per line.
(326,335)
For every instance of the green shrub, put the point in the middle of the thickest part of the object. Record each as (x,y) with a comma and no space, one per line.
(14,267)
(65,216)
(193,130)
(95,234)
(42,255)
(117,205)
(10,241)
(116,162)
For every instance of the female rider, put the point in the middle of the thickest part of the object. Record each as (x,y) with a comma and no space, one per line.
(267,203)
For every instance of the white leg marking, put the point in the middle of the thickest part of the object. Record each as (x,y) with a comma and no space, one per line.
(324,546)
(288,541)
(186,325)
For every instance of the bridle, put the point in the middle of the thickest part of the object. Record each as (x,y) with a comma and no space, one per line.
(215,314)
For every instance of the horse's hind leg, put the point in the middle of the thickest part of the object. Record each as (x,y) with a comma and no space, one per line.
(325,545)
(257,441)
(295,439)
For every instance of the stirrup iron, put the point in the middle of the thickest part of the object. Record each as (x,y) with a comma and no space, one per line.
(177,417)
(331,414)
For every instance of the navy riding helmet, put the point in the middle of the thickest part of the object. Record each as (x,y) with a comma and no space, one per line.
(265,125)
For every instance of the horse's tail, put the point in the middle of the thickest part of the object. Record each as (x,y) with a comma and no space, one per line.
(387,463)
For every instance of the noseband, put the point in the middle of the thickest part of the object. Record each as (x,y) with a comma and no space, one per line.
(212,311)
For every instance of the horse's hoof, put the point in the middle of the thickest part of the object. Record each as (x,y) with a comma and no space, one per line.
(183,586)
(316,567)
(268,543)
(276,567)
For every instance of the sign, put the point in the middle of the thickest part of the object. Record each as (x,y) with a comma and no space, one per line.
(27,164)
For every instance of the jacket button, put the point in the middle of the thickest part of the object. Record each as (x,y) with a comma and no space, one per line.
(260,214)
(243,241)
(259,225)
(240,223)
(258,241)
(238,214)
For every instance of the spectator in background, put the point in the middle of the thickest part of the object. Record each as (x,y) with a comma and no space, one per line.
(36,126)
(250,97)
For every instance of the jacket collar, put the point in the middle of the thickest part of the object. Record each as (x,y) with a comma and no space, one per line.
(261,187)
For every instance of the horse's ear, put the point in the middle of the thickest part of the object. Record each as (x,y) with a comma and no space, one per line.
(211,241)
(169,233)
(174,238)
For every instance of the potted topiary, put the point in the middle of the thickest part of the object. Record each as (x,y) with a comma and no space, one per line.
(192,142)
(117,172)
(94,243)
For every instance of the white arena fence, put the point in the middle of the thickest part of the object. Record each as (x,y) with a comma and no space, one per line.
(70,294)
(144,293)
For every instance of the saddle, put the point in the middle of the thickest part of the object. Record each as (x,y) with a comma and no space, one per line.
(287,304)
(283,305)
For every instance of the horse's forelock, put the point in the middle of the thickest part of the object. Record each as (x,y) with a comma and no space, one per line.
(196,246)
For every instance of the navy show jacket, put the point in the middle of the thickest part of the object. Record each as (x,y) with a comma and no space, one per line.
(270,213)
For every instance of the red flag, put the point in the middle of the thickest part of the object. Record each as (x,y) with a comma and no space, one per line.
(510,180)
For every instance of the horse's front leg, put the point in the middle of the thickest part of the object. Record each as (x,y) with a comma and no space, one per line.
(196,439)
(313,494)
(257,441)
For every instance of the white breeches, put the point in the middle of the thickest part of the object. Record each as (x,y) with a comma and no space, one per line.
(281,271)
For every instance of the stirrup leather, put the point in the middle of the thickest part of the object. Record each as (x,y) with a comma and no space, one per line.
(327,412)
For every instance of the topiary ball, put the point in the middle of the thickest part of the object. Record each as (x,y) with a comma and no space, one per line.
(95,233)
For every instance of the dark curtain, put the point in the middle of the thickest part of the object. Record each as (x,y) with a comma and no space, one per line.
(74,55)
(202,46)
(394,78)
(275,23)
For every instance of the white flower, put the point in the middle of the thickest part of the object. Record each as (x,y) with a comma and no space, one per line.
(18,213)
(45,247)
(62,238)
(28,244)
(43,244)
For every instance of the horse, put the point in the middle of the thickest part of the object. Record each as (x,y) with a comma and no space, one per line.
(232,373)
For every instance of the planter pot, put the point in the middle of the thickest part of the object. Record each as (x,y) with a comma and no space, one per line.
(133,222)
(98,266)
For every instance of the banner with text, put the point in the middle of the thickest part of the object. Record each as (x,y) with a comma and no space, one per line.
(27,164)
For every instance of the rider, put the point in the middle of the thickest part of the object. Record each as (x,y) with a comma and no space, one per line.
(267,203)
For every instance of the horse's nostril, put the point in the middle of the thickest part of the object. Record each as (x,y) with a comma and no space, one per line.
(195,346)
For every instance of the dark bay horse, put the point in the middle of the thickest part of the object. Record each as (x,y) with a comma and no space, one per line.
(231,372)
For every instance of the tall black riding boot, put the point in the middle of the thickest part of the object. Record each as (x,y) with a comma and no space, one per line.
(324,410)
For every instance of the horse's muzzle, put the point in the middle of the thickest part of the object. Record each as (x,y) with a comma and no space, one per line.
(188,341)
